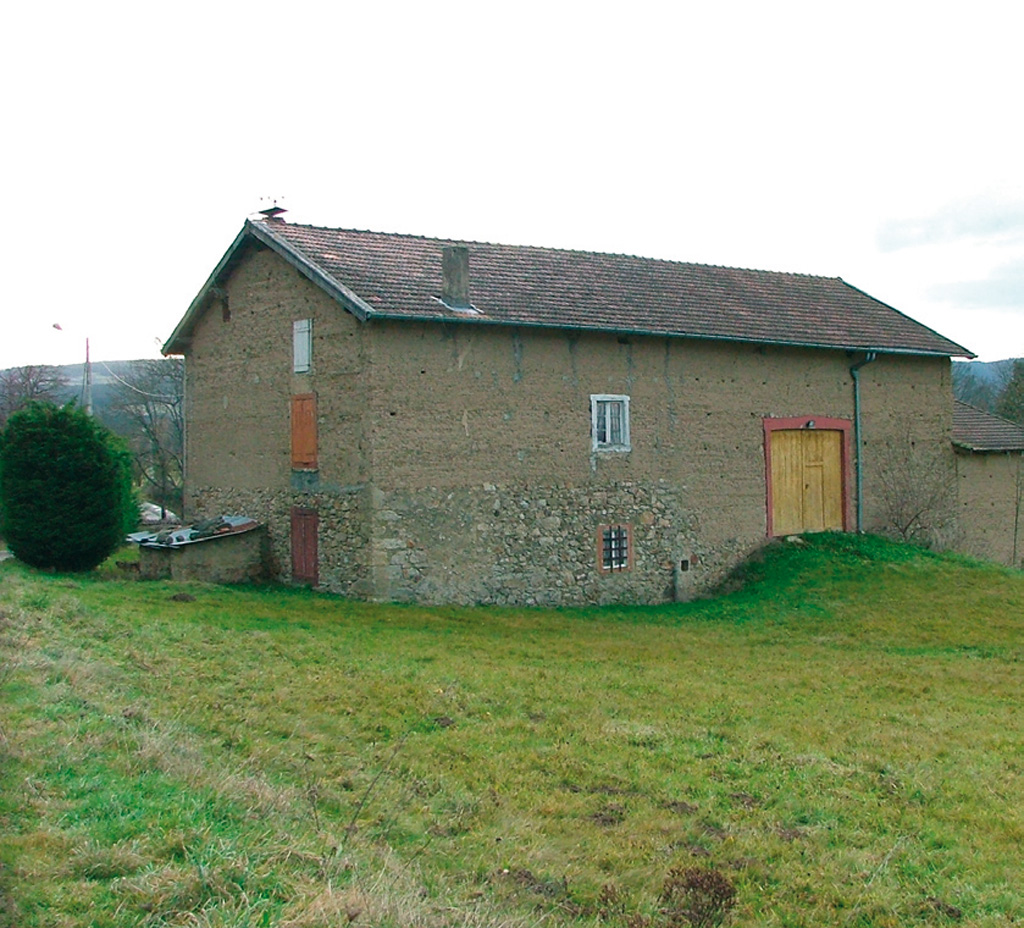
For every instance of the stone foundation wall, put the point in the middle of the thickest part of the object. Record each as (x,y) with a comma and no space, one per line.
(343,534)
(493,544)
(533,545)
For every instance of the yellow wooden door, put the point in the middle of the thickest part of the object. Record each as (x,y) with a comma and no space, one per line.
(807,481)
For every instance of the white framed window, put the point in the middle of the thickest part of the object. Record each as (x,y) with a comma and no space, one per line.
(302,345)
(609,422)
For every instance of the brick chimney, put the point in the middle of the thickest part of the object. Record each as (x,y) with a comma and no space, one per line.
(455,276)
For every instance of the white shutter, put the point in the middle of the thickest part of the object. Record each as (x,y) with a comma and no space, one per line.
(302,345)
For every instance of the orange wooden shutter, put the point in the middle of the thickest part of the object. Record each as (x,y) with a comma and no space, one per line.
(304,450)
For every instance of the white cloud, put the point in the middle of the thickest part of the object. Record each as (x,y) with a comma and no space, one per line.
(1002,289)
(998,218)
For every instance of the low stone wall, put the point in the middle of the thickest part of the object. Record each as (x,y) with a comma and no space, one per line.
(235,558)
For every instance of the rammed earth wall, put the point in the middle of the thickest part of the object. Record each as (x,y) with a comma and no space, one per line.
(991,498)
(455,461)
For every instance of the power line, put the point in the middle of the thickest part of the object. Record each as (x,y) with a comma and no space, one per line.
(156,396)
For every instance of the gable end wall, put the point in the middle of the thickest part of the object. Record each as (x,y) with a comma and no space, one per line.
(239,389)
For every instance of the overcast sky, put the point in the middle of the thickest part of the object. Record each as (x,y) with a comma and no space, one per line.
(878,142)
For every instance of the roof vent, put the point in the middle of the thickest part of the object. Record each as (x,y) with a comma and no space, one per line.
(273,212)
(455,277)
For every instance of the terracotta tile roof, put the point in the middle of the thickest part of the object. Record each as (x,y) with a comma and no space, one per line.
(978,430)
(399,276)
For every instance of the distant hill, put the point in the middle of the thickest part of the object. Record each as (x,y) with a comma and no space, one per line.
(104,379)
(990,372)
(981,383)
(103,372)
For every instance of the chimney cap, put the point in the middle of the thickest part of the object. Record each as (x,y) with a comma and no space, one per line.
(273,212)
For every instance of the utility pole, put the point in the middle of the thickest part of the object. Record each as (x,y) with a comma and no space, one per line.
(86,375)
(87,385)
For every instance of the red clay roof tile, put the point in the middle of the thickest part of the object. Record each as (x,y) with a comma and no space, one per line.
(978,430)
(399,276)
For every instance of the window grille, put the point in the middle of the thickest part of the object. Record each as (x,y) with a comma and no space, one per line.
(615,547)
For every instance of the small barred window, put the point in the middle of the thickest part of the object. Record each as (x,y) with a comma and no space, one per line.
(614,547)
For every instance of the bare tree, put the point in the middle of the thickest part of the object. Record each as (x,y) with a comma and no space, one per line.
(1010,404)
(147,409)
(976,391)
(21,385)
(918,493)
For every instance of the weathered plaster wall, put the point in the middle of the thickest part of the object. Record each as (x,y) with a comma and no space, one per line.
(239,381)
(991,501)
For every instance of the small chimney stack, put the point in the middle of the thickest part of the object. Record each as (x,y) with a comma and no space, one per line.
(455,276)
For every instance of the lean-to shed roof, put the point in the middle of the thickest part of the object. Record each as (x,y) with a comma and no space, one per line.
(977,430)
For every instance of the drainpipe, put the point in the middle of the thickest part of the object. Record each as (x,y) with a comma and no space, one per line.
(1016,510)
(855,374)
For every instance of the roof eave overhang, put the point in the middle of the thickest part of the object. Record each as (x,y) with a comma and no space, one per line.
(980,449)
(181,337)
(959,352)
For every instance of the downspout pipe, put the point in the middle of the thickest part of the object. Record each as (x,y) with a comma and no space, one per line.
(855,374)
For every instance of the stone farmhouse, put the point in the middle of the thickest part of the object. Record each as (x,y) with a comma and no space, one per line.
(452,422)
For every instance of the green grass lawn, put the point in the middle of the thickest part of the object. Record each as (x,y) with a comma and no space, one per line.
(840,741)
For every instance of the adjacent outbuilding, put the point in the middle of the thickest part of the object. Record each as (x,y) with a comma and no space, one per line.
(990,483)
(221,549)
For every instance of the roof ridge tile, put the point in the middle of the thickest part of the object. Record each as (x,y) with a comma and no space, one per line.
(556,249)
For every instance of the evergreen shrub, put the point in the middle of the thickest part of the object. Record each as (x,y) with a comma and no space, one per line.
(66,497)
